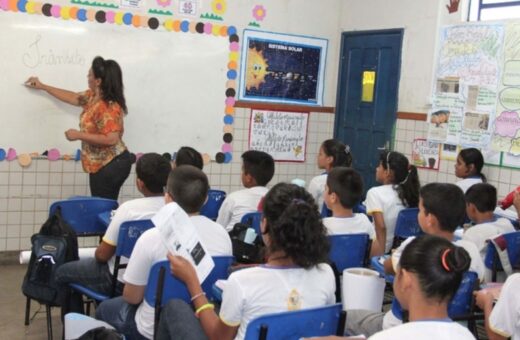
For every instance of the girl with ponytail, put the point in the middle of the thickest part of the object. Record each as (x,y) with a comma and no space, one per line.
(399,190)
(294,277)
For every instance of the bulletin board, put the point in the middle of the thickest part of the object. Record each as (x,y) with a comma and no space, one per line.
(283,135)
(476,91)
(179,78)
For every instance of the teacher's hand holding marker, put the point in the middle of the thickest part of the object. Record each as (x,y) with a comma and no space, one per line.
(103,153)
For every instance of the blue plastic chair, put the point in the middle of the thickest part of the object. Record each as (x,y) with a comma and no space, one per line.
(129,233)
(492,261)
(377,265)
(82,214)
(320,321)
(253,219)
(325,211)
(212,206)
(406,225)
(162,286)
(349,250)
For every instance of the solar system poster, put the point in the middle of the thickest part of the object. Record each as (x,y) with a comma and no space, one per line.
(282,68)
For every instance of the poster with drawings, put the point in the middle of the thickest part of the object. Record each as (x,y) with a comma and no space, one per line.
(425,154)
(281,134)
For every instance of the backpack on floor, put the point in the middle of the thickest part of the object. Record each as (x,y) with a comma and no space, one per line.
(55,244)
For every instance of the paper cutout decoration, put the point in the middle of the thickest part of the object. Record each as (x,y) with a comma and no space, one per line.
(219,7)
(188,8)
(206,158)
(78,155)
(259,13)
(53,155)
(2,154)
(11,154)
(164,3)
(24,160)
(453,6)
(94,3)
(220,157)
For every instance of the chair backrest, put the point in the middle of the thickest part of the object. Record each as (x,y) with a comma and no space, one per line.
(325,211)
(461,304)
(82,214)
(406,225)
(212,206)
(253,219)
(320,321)
(492,261)
(349,250)
(129,232)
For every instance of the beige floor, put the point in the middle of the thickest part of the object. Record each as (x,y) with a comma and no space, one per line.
(12,309)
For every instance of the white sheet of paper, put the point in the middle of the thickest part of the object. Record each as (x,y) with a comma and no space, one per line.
(181,238)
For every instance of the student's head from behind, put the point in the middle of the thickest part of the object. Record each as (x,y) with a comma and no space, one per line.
(188,187)
(480,197)
(469,163)
(334,153)
(106,77)
(441,208)
(430,268)
(394,168)
(344,186)
(257,168)
(152,172)
(292,225)
(188,156)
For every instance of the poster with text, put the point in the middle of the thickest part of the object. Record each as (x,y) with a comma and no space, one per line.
(283,135)
(425,154)
(282,68)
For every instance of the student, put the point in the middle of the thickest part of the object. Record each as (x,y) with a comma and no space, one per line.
(188,156)
(342,192)
(481,201)
(400,190)
(502,320)
(257,171)
(441,211)
(129,314)
(469,167)
(295,276)
(429,273)
(96,273)
(332,153)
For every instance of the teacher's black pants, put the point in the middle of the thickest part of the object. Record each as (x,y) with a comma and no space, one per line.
(109,179)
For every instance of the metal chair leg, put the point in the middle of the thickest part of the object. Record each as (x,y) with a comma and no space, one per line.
(27,311)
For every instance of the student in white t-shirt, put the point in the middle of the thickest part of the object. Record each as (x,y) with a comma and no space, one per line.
(152,172)
(188,187)
(399,190)
(295,276)
(441,210)
(503,319)
(469,167)
(257,171)
(332,153)
(342,192)
(481,201)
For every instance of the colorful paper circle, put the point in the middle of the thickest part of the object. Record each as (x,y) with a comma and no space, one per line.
(230,110)
(29,7)
(101,17)
(11,154)
(231,83)
(24,160)
(118,19)
(78,155)
(38,7)
(231,74)
(153,23)
(228,157)
(226,147)
(55,11)
(91,14)
(228,129)
(168,24)
(136,20)
(215,30)
(192,27)
(231,30)
(233,38)
(185,26)
(228,138)
(81,15)
(65,13)
(110,16)
(127,18)
(234,46)
(53,154)
(46,10)
(199,27)
(223,31)
(220,157)
(233,56)
(176,26)
(206,158)
(22,6)
(2,154)
(207,28)
(230,92)
(230,101)
(4,5)
(228,119)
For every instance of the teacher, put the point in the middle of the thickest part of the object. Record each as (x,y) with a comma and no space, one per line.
(103,153)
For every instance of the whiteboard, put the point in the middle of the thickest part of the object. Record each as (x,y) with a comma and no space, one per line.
(174,83)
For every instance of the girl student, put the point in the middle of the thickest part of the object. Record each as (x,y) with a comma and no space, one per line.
(429,273)
(469,168)
(399,190)
(294,277)
(332,153)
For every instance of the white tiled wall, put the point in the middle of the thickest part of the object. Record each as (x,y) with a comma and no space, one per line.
(27,193)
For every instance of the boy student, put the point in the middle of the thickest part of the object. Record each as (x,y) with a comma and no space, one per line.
(481,201)
(151,174)
(257,171)
(441,211)
(188,187)
(343,191)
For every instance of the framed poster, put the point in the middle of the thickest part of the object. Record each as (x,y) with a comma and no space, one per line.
(425,154)
(283,135)
(282,68)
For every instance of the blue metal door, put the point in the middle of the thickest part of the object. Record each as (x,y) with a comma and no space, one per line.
(367,95)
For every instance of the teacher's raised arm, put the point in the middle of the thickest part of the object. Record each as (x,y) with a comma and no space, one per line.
(104,155)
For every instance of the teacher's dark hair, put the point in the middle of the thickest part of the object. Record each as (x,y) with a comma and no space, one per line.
(111,81)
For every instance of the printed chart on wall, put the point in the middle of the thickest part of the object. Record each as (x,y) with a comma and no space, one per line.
(425,154)
(282,68)
(281,134)
(465,89)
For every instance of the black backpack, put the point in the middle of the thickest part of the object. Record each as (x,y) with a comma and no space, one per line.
(55,244)
(244,252)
